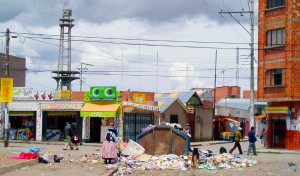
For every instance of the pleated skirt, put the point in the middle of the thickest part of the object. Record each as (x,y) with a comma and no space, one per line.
(108,150)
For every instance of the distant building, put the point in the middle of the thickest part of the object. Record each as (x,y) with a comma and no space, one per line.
(17,69)
(227,92)
(206,96)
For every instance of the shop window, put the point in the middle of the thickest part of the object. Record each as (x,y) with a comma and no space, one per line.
(276,37)
(274,77)
(173,118)
(275,3)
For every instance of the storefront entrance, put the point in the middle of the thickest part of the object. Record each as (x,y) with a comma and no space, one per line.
(22,125)
(54,123)
(95,129)
(278,132)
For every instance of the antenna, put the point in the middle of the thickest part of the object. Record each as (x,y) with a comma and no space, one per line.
(64,76)
(66,4)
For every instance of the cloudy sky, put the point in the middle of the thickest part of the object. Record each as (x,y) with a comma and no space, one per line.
(142,45)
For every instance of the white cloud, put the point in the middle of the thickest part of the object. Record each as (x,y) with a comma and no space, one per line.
(140,60)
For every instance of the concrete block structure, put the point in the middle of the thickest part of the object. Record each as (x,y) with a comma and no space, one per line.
(279,71)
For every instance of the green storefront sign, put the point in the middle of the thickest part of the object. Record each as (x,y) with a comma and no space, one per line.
(103,93)
(97,114)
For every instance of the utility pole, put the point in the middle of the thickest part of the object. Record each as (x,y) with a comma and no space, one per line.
(6,119)
(251,12)
(215,85)
(83,68)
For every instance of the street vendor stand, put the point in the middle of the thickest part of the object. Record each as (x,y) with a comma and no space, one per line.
(164,139)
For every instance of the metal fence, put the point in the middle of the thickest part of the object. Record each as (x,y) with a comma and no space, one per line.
(134,123)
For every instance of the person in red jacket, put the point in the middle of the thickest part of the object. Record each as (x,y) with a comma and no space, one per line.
(263,135)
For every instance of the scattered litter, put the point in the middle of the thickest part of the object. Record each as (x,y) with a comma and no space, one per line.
(24,155)
(207,161)
(291,164)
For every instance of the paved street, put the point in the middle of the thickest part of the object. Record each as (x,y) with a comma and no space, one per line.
(270,162)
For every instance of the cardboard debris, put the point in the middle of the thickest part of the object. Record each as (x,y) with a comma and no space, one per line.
(144,157)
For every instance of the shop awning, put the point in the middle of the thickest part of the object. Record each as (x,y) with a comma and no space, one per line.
(229,119)
(98,110)
(260,116)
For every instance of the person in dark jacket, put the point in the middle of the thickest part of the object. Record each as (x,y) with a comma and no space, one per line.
(68,135)
(252,140)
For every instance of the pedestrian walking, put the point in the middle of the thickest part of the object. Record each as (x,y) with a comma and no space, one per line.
(109,146)
(252,140)
(10,136)
(263,135)
(237,139)
(68,135)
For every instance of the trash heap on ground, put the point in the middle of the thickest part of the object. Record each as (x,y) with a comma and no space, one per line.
(132,160)
(43,157)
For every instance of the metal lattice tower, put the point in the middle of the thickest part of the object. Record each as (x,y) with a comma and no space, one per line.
(64,76)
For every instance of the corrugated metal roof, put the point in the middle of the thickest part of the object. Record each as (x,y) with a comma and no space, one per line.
(243,104)
(186,96)
(164,102)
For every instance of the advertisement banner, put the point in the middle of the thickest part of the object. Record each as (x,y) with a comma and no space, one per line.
(108,92)
(277,109)
(103,92)
(6,89)
(23,93)
(44,96)
(94,93)
(97,114)
(65,95)
(87,96)
(139,98)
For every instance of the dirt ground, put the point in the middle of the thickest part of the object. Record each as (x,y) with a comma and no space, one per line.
(70,165)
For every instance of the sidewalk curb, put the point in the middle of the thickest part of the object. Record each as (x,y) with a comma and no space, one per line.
(12,167)
(53,143)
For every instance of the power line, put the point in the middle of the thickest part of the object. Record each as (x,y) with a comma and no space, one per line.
(276,48)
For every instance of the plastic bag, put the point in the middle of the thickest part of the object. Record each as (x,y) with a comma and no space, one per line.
(133,149)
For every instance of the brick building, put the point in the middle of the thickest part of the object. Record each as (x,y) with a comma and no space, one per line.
(227,92)
(279,71)
(17,69)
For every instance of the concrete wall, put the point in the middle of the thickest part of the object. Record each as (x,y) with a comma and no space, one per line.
(203,124)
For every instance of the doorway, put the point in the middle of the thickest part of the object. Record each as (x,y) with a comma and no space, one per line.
(278,132)
(95,125)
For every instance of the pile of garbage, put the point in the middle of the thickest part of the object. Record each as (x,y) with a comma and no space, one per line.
(129,164)
(199,159)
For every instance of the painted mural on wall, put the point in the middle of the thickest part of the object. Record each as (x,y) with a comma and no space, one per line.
(293,124)
(39,125)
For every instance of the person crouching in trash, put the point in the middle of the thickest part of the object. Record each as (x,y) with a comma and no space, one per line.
(109,146)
